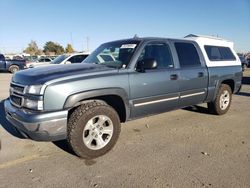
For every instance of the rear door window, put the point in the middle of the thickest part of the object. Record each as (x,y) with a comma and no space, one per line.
(218,53)
(187,54)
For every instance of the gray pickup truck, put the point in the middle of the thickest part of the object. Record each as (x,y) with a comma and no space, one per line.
(85,103)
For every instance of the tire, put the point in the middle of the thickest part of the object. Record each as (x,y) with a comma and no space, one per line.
(222,102)
(13,69)
(93,129)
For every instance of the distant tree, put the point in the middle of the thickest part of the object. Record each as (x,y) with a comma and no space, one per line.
(33,49)
(53,48)
(69,48)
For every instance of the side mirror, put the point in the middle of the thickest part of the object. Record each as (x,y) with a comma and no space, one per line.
(146,64)
(67,62)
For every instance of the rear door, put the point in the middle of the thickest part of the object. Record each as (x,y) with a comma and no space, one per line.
(154,90)
(193,74)
(2,62)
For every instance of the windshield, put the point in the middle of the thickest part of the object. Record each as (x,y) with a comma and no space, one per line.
(59,59)
(113,54)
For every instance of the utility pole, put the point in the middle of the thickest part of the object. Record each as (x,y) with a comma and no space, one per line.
(71,39)
(87,43)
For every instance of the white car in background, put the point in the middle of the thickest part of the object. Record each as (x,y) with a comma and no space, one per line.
(39,61)
(64,59)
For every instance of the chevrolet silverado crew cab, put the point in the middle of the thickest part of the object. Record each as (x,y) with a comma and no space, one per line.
(86,103)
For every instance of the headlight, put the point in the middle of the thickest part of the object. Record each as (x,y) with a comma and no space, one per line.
(35,89)
(32,104)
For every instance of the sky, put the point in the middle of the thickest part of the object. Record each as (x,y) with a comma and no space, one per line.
(101,21)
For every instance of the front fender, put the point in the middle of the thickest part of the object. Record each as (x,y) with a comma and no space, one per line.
(75,99)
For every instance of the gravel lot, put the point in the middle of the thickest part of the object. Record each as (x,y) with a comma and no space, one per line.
(182,148)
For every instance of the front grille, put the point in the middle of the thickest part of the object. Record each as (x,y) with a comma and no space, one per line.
(16,94)
(17,88)
(16,100)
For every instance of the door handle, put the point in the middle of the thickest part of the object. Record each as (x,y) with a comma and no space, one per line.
(200,74)
(173,77)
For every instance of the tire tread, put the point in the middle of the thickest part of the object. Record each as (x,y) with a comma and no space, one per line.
(84,109)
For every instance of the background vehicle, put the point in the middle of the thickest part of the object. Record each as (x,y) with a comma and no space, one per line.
(244,62)
(63,59)
(44,59)
(53,57)
(40,61)
(7,58)
(11,65)
(31,59)
(85,103)
(70,58)
(18,57)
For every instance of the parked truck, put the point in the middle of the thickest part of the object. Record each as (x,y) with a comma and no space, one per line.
(86,103)
(11,65)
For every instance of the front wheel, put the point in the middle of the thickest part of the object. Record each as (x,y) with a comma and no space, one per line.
(222,101)
(93,129)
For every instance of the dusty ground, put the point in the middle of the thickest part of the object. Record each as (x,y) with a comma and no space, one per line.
(183,148)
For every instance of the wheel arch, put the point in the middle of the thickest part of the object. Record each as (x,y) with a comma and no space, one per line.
(115,97)
(230,83)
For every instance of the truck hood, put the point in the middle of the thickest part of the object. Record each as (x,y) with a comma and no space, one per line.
(41,75)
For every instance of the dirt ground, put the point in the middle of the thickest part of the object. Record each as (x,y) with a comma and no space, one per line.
(183,148)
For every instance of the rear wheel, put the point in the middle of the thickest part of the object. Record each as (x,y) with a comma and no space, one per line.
(93,129)
(13,68)
(222,101)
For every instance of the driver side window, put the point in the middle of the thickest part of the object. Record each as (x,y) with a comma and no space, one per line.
(159,52)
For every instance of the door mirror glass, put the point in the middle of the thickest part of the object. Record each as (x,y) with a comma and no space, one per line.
(146,64)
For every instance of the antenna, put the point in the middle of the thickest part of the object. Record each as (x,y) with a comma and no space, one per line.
(135,36)
(71,38)
(87,43)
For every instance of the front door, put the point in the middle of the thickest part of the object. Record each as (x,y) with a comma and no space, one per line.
(154,90)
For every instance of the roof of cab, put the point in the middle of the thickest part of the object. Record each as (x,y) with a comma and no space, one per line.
(202,40)
(145,39)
